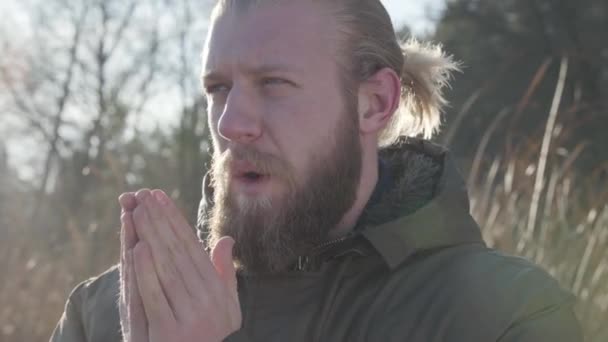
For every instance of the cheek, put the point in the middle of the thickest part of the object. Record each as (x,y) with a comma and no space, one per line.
(297,117)
(303,125)
(300,151)
(291,129)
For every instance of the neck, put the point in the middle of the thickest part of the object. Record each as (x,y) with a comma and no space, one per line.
(369,178)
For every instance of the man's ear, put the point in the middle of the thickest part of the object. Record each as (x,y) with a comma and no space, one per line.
(378,99)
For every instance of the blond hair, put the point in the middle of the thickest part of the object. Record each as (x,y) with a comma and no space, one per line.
(370,44)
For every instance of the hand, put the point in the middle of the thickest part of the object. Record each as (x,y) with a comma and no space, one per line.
(186,296)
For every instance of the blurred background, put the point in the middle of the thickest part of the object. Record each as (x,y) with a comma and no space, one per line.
(101,97)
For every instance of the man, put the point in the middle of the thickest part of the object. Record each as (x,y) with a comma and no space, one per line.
(324,222)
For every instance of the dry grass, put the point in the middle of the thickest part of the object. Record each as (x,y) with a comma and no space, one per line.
(38,275)
(568,238)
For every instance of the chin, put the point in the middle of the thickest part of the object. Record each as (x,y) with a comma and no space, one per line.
(263,196)
(248,203)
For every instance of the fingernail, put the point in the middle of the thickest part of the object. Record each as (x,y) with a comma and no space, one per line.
(161,197)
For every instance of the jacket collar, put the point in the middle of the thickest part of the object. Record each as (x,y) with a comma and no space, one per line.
(427,208)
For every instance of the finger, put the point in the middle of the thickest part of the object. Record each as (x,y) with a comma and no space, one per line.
(221,256)
(128,239)
(159,223)
(177,254)
(165,265)
(128,235)
(140,194)
(200,259)
(138,198)
(138,325)
(127,201)
(185,234)
(132,313)
(125,246)
(123,300)
(125,282)
(155,304)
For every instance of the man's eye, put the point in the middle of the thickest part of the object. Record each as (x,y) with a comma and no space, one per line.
(216,88)
(273,81)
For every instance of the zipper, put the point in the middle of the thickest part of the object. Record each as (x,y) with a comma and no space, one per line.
(333,242)
(304,261)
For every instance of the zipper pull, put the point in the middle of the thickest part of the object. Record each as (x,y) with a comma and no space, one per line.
(302,263)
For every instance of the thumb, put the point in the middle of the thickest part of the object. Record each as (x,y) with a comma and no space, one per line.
(221,257)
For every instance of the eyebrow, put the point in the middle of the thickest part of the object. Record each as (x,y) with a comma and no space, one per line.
(268,68)
(211,77)
(255,71)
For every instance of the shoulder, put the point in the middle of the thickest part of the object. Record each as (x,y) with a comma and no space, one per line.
(513,297)
(97,301)
(102,285)
(509,280)
(486,281)
(481,293)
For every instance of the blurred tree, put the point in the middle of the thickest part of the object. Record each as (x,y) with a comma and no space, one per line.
(4,185)
(92,80)
(511,51)
(107,93)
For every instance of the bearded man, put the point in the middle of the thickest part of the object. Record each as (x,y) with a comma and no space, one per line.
(325,219)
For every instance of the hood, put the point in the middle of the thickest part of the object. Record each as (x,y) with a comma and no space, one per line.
(425,206)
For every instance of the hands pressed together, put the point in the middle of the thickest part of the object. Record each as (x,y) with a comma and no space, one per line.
(171,289)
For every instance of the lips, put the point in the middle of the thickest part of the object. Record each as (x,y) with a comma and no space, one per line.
(246,171)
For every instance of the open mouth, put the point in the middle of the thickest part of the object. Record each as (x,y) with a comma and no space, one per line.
(248,174)
(252,176)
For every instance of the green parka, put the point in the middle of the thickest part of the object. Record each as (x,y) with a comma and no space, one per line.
(414,269)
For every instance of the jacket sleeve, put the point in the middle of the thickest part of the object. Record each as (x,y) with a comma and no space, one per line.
(491,299)
(555,323)
(70,327)
(541,311)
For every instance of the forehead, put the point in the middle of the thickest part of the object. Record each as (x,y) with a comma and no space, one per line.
(295,34)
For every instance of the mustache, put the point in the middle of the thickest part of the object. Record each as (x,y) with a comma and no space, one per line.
(263,162)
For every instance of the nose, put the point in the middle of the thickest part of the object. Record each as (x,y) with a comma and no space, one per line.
(240,122)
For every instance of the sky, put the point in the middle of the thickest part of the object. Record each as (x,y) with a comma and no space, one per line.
(414,13)
(411,12)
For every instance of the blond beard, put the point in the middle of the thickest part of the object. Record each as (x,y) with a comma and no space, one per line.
(271,233)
